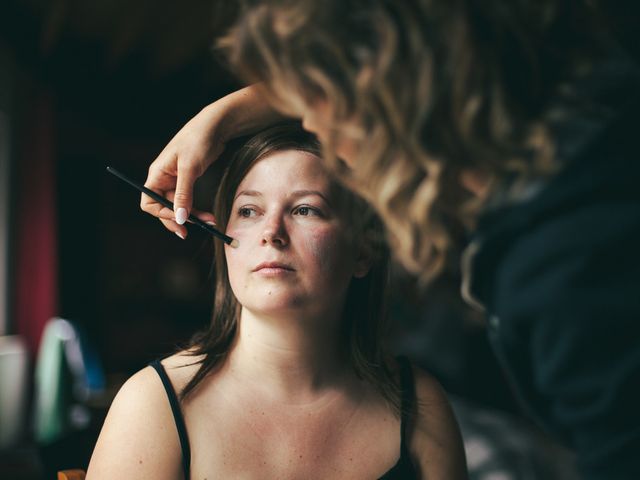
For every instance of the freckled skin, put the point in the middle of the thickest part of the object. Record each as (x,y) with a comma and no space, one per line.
(274,223)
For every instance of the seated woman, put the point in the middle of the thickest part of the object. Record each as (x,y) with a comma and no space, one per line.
(290,380)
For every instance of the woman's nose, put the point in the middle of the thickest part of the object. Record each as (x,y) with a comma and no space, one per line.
(275,232)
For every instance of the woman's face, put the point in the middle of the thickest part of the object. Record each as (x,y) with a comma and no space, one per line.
(294,254)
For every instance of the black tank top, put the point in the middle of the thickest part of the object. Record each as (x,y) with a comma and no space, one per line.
(403,469)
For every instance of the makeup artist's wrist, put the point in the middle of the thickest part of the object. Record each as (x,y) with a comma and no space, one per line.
(239,113)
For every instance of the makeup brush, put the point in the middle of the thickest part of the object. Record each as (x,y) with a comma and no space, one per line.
(160,199)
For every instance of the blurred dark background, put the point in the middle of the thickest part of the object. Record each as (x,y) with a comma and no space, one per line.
(84,85)
(91,84)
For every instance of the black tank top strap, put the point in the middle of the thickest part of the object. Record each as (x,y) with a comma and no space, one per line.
(404,469)
(177,417)
(408,399)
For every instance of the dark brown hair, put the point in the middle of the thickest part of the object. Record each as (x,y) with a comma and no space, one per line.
(439,87)
(364,316)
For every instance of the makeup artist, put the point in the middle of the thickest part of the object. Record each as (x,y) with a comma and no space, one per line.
(291,379)
(518,118)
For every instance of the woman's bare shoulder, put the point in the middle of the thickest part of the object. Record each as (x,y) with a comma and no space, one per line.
(181,367)
(139,438)
(435,442)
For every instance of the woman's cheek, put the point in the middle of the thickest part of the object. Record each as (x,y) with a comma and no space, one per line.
(236,255)
(324,248)
(240,234)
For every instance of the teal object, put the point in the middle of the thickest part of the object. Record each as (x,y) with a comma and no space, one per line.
(67,374)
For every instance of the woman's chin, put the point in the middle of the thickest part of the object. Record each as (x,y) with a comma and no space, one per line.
(273,303)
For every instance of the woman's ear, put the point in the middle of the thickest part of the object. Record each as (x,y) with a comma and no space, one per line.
(364,261)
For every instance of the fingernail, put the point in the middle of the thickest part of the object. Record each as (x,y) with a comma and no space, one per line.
(211,223)
(181,216)
(179,235)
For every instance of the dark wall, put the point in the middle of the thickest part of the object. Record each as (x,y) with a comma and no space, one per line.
(137,289)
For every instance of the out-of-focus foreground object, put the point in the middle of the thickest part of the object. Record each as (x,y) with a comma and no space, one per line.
(68,374)
(71,475)
(13,389)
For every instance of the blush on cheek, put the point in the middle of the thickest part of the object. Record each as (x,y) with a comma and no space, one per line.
(324,247)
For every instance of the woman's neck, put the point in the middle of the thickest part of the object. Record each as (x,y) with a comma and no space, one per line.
(295,359)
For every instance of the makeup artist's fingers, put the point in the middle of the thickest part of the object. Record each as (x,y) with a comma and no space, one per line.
(163,213)
(169,214)
(149,205)
(160,181)
(206,217)
(183,195)
(172,226)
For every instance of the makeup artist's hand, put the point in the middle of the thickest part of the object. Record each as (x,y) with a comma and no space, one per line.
(195,147)
(174,172)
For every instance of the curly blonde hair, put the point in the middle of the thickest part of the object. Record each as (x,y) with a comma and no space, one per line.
(438,87)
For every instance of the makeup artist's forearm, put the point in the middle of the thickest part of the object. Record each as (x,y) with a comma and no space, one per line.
(242,112)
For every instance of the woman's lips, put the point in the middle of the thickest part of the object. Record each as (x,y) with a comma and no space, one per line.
(273,268)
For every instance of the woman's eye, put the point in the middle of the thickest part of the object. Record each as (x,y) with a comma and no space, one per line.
(246,212)
(306,211)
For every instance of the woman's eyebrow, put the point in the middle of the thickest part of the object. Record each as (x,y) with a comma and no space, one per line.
(304,193)
(249,193)
(294,194)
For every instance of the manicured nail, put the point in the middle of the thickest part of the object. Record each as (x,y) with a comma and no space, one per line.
(179,235)
(181,216)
